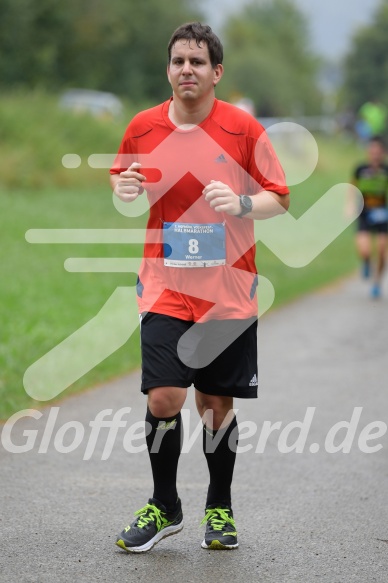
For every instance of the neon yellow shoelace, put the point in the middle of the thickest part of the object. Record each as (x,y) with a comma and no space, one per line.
(150,513)
(218,517)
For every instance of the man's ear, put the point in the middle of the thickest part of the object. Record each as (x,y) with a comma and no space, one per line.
(218,72)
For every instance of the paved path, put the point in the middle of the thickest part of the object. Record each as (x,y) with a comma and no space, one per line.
(302,517)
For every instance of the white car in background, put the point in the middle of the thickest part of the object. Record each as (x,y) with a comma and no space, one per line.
(98,103)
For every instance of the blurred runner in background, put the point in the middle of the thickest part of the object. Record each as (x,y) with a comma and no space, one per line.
(371,178)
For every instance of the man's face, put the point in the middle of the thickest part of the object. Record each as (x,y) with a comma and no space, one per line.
(190,72)
(375,153)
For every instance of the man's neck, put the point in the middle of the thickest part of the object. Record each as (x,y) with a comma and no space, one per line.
(185,114)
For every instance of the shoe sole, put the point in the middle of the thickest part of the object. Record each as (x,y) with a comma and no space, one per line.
(216,545)
(164,533)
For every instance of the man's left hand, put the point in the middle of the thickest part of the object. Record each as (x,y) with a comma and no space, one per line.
(222,198)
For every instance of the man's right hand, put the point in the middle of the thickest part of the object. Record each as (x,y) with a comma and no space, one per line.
(128,185)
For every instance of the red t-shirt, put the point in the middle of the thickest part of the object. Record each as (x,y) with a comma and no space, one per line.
(228,146)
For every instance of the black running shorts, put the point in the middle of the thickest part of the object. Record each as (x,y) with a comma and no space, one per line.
(363,224)
(219,357)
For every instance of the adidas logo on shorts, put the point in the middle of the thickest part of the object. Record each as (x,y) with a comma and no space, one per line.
(253,382)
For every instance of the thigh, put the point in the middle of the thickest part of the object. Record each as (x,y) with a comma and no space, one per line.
(233,370)
(161,365)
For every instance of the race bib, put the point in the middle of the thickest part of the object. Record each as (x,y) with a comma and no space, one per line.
(377,216)
(194,244)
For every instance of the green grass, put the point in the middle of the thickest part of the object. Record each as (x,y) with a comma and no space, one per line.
(36,133)
(42,304)
(336,159)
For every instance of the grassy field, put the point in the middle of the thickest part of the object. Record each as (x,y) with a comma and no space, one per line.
(41,303)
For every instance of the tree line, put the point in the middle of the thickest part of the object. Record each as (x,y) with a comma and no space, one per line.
(120,46)
(366,66)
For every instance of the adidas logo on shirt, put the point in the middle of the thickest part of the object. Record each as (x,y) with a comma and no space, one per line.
(221,159)
(253,382)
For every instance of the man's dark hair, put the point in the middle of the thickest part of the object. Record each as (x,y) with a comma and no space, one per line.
(201,33)
(377,140)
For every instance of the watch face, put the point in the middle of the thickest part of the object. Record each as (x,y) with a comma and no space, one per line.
(246,203)
(250,203)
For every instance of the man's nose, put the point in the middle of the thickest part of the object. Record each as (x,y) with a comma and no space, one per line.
(187,69)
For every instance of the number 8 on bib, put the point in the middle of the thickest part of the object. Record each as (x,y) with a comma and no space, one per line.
(194,244)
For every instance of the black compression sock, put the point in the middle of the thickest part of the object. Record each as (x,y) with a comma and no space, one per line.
(220,448)
(164,438)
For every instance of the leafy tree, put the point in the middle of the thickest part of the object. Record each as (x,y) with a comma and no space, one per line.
(114,45)
(268,59)
(119,46)
(366,67)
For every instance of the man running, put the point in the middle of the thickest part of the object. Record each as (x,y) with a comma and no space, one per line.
(371,178)
(209,171)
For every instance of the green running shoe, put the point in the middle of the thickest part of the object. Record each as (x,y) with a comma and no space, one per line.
(220,528)
(153,523)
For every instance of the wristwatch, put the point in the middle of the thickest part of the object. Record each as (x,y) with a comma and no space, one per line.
(245,204)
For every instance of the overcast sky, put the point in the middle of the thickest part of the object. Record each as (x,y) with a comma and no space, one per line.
(332,22)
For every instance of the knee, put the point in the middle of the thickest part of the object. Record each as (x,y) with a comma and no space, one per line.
(215,411)
(166,401)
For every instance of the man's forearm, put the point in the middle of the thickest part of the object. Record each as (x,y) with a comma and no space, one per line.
(268,204)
